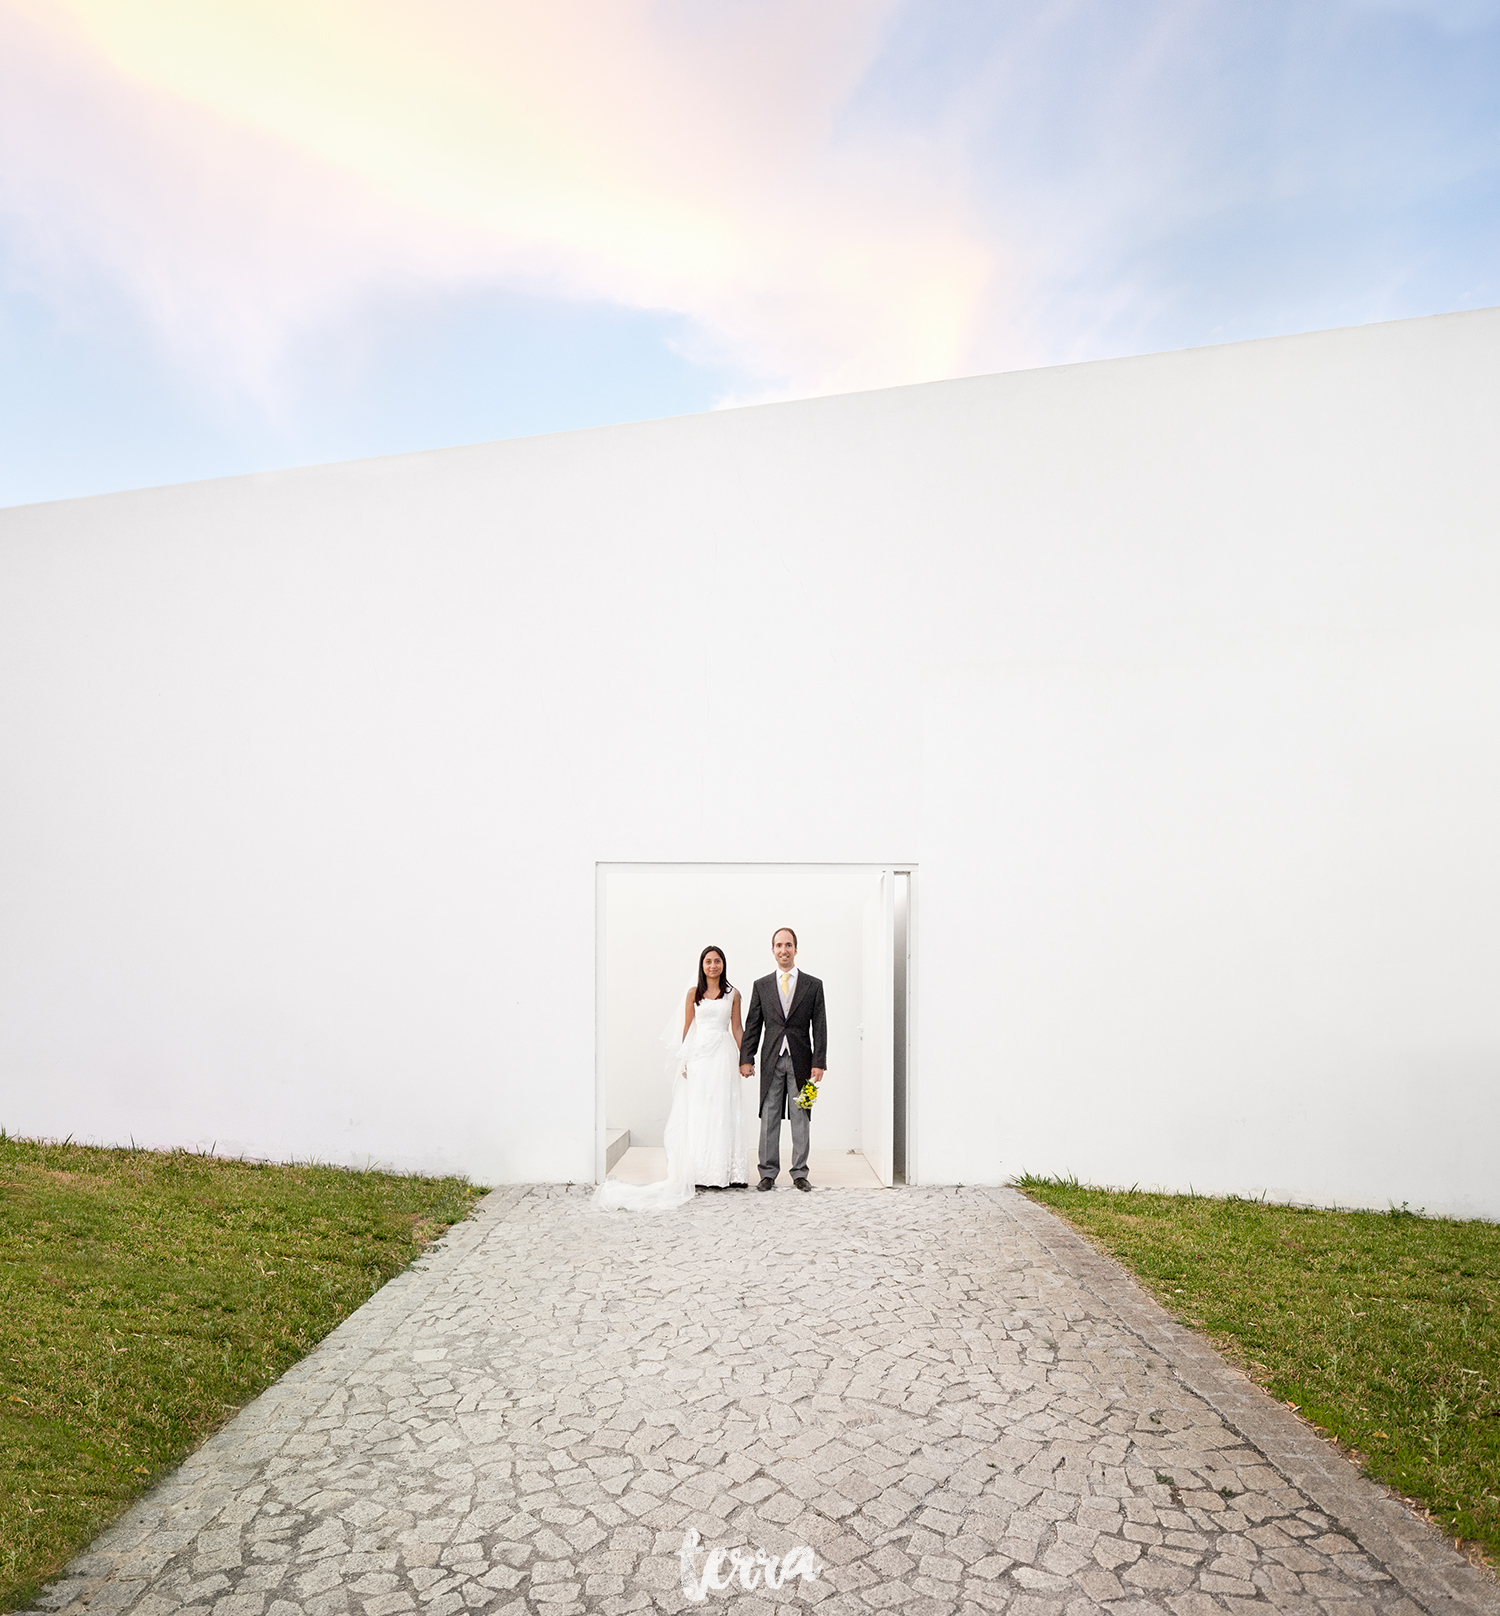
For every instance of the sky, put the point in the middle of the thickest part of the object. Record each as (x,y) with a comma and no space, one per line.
(245,234)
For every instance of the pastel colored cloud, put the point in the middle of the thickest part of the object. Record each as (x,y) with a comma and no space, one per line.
(247,169)
(376,226)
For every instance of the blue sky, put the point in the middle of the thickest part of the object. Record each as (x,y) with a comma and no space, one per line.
(259,234)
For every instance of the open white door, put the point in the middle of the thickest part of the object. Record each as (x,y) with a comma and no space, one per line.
(877,1029)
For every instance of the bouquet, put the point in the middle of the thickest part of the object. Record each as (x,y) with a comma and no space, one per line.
(807,1096)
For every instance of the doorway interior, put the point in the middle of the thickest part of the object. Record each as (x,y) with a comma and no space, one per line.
(855,928)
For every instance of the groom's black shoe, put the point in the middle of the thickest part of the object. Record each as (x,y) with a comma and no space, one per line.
(802,1184)
(766,1184)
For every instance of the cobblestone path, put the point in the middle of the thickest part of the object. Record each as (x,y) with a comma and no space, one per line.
(952,1399)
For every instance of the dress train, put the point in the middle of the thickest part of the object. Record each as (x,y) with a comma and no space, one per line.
(706,1137)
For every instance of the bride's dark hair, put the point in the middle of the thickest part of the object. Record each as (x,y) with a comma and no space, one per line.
(725,985)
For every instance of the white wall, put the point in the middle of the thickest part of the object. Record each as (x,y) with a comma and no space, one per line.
(1179,677)
(656,924)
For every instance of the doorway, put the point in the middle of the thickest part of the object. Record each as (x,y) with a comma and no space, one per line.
(854,931)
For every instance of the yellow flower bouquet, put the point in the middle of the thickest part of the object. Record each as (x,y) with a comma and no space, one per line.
(807,1096)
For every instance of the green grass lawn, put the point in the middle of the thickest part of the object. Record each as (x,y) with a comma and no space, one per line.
(1382,1328)
(145,1296)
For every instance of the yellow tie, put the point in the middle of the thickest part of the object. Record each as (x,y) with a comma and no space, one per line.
(786,985)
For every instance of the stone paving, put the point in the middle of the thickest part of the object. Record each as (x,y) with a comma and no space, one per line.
(952,1399)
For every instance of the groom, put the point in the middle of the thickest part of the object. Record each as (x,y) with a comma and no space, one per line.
(789,1006)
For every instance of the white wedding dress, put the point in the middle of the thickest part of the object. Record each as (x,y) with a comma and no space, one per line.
(706,1136)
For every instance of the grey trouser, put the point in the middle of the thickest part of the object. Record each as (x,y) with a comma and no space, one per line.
(783,1088)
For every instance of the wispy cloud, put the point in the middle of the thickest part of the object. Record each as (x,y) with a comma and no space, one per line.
(248,169)
(810,196)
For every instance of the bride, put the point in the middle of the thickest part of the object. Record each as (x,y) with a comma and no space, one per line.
(705,1134)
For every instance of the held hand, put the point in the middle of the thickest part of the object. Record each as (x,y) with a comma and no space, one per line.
(746,1071)
(817,1075)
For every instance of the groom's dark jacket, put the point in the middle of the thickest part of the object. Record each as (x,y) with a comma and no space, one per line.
(805,1028)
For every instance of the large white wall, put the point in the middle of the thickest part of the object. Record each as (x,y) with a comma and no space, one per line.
(656,922)
(1179,677)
